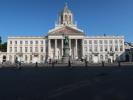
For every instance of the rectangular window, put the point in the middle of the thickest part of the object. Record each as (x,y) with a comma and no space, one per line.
(121,41)
(15,42)
(15,49)
(90,48)
(101,48)
(41,49)
(36,42)
(116,48)
(31,42)
(116,42)
(105,42)
(111,48)
(30,57)
(26,49)
(20,49)
(41,57)
(90,41)
(10,42)
(121,48)
(85,48)
(41,42)
(101,42)
(85,41)
(21,42)
(36,49)
(110,41)
(26,58)
(106,48)
(26,42)
(95,41)
(31,49)
(95,49)
(10,49)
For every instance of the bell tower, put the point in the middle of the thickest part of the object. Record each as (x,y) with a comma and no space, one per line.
(65,17)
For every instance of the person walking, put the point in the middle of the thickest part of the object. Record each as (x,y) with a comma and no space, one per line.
(86,63)
(69,63)
(119,64)
(36,64)
(102,63)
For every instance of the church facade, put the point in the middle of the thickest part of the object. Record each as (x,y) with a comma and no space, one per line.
(94,49)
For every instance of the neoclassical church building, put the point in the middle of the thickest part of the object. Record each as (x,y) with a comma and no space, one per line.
(40,49)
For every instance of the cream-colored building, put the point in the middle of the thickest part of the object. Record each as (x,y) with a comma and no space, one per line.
(40,49)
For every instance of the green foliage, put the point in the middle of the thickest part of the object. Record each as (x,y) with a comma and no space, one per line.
(3,47)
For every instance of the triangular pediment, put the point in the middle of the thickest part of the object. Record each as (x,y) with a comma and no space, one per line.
(66,30)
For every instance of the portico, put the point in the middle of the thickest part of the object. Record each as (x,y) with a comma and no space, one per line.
(56,45)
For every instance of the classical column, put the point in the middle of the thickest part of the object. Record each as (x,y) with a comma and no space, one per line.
(70,47)
(76,54)
(49,48)
(55,48)
(83,48)
(62,47)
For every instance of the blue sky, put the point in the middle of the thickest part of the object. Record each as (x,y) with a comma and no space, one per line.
(95,17)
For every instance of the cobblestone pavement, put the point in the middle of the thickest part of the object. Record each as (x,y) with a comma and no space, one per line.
(63,83)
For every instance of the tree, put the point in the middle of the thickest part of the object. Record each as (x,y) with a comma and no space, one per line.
(4,47)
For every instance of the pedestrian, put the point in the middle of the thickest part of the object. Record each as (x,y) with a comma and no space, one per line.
(69,63)
(102,63)
(36,64)
(86,63)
